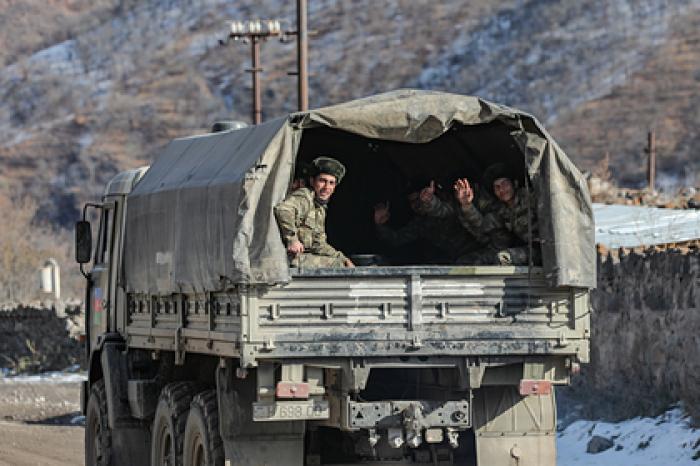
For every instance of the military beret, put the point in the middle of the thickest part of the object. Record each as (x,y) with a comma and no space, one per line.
(329,166)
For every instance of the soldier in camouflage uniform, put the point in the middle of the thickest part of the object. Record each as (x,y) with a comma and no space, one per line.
(515,212)
(444,237)
(302,177)
(302,218)
(488,245)
(506,224)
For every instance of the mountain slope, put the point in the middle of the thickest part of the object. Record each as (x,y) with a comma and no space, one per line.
(112,81)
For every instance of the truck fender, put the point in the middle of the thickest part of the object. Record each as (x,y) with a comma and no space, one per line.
(115,372)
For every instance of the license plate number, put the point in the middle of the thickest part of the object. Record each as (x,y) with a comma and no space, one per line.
(291,410)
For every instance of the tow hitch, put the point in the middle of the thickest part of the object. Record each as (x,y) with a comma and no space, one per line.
(410,422)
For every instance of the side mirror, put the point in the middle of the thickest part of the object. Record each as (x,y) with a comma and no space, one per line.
(83,242)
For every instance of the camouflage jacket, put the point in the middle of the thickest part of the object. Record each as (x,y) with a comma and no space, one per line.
(498,236)
(301,218)
(444,236)
(513,219)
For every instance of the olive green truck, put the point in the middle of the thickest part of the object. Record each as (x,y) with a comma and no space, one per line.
(205,348)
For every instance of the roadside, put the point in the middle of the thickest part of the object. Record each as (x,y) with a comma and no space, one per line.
(40,421)
(40,424)
(32,445)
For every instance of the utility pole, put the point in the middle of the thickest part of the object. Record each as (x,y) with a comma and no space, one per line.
(257,31)
(255,70)
(651,161)
(302,55)
(254,32)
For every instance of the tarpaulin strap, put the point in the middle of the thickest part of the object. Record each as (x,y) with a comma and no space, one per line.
(529,223)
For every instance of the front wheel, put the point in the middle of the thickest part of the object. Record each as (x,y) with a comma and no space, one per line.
(98,436)
(203,445)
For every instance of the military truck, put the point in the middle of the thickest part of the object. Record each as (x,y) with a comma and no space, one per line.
(205,348)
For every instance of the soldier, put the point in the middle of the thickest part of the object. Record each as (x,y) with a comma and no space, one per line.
(443,236)
(515,212)
(302,218)
(487,245)
(301,177)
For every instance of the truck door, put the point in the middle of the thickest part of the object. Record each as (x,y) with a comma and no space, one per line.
(100,293)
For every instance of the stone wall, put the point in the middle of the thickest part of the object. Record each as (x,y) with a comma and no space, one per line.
(645,337)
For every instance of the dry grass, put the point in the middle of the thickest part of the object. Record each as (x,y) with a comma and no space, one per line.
(25,246)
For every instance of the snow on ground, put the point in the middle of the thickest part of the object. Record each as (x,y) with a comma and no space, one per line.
(70,375)
(667,439)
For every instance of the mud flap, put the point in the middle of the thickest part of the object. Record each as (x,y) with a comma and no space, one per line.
(514,430)
(248,443)
(116,374)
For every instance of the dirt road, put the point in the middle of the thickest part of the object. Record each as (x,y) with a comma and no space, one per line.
(40,423)
(34,445)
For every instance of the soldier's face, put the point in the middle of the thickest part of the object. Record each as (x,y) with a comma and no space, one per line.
(323,185)
(503,189)
(414,201)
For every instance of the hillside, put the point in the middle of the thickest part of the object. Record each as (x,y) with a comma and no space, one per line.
(92,87)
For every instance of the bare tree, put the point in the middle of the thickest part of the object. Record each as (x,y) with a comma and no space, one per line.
(24,246)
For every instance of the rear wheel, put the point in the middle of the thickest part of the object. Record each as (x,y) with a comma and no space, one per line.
(98,437)
(203,445)
(169,424)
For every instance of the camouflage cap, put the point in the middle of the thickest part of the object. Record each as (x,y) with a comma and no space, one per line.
(494,172)
(416,184)
(329,166)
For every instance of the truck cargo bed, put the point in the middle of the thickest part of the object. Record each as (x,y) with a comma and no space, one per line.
(372,311)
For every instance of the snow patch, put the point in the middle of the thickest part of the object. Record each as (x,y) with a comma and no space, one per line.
(666,439)
(58,377)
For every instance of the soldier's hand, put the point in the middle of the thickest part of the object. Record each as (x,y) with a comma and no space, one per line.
(348,263)
(295,247)
(463,192)
(427,193)
(381,213)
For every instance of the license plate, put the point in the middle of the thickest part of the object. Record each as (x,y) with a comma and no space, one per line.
(291,410)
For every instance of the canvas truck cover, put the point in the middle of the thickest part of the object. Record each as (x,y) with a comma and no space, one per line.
(201,219)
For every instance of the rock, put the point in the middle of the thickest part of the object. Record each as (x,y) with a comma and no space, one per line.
(36,339)
(598,444)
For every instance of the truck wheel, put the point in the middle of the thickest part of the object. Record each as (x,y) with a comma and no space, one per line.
(203,445)
(169,423)
(98,438)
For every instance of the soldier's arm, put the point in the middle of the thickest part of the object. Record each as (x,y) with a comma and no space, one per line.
(438,208)
(289,214)
(501,238)
(477,223)
(404,235)
(325,249)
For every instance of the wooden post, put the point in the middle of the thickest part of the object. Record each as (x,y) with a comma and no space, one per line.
(651,164)
(256,70)
(302,56)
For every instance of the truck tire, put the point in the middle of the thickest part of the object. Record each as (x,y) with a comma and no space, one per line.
(169,423)
(203,444)
(98,437)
